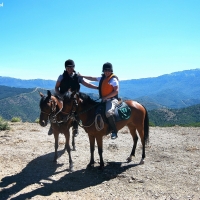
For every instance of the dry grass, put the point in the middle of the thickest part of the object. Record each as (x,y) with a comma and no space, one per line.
(192,148)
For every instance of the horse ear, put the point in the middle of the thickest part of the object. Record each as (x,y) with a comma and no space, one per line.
(81,100)
(41,94)
(49,93)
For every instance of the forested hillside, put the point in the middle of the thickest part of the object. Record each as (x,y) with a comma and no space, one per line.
(6,91)
(170,117)
(26,106)
(175,90)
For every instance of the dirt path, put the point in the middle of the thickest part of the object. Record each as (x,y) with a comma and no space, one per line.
(171,169)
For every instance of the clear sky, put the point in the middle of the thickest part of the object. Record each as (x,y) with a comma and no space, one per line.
(141,38)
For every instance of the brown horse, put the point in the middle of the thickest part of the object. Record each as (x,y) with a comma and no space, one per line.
(86,112)
(51,110)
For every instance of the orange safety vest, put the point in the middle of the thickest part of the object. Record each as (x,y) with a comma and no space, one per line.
(106,88)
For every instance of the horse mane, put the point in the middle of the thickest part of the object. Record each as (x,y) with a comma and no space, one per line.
(87,99)
(42,100)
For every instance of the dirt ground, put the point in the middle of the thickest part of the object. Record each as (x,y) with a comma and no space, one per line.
(171,169)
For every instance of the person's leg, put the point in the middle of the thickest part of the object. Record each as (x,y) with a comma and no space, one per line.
(75,128)
(110,107)
(111,121)
(50,132)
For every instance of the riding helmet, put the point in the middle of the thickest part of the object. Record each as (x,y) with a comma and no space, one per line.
(69,63)
(107,66)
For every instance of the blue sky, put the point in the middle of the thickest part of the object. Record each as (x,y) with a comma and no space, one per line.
(141,38)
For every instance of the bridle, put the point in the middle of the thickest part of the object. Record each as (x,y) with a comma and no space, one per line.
(52,116)
(74,114)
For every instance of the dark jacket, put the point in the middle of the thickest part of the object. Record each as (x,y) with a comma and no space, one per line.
(69,82)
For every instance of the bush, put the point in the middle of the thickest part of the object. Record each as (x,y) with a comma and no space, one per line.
(16,119)
(4,125)
(37,120)
(151,124)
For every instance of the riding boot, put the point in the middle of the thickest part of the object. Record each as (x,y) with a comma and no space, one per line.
(75,128)
(111,121)
(50,132)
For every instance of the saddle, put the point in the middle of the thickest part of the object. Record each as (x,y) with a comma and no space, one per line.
(122,112)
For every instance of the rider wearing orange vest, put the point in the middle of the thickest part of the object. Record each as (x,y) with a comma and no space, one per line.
(108,91)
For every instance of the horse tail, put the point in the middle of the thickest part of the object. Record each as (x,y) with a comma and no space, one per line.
(146,127)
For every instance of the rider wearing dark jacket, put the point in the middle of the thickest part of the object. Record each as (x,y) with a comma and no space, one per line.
(70,80)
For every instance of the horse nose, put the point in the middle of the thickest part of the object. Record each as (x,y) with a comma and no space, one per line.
(42,123)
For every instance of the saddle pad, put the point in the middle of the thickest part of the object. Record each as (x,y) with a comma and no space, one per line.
(122,112)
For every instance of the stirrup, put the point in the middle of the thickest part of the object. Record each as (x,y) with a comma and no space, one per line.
(75,132)
(113,136)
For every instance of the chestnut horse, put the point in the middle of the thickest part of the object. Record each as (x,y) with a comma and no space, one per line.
(51,110)
(86,112)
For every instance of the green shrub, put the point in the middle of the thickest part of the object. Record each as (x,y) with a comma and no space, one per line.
(37,120)
(4,125)
(151,124)
(16,119)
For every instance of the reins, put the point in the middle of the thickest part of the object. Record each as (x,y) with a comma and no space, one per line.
(95,120)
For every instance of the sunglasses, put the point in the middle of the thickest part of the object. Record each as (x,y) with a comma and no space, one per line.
(107,70)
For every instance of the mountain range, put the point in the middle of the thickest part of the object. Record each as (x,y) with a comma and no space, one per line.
(175,90)
(24,103)
(172,99)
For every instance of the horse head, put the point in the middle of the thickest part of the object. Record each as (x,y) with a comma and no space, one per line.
(71,101)
(49,108)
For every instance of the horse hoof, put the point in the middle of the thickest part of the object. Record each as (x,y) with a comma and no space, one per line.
(141,162)
(129,159)
(90,165)
(71,169)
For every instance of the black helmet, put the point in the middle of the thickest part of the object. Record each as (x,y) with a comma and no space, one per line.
(69,63)
(107,66)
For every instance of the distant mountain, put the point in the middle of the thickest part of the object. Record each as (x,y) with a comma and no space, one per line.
(6,91)
(172,117)
(175,90)
(26,106)
(32,83)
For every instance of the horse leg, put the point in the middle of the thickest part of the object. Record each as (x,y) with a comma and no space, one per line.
(56,146)
(135,139)
(92,147)
(67,147)
(141,133)
(73,143)
(100,151)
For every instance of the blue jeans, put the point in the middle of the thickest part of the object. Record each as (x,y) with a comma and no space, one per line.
(110,107)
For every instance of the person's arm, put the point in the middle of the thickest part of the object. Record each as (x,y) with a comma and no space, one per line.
(89,85)
(57,88)
(90,78)
(112,94)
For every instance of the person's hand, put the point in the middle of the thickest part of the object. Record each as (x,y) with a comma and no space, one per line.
(104,99)
(79,74)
